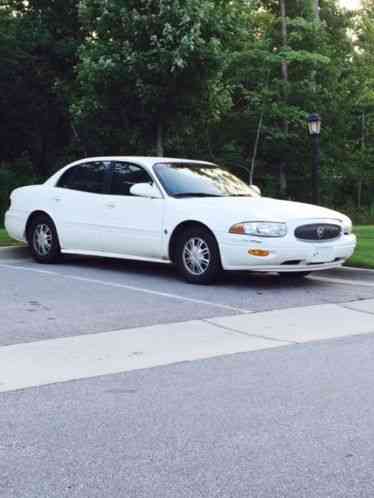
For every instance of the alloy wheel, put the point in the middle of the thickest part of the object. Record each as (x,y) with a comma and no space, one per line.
(196,256)
(42,239)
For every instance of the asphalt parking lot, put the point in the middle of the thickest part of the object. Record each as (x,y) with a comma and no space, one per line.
(87,295)
(262,386)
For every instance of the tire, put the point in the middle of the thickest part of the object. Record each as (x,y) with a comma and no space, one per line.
(297,275)
(197,256)
(43,240)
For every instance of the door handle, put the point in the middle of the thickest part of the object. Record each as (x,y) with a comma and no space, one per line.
(110,205)
(57,199)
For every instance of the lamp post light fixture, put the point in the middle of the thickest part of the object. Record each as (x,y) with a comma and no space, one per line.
(314,127)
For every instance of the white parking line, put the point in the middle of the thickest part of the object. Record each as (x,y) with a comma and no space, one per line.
(341,281)
(127,287)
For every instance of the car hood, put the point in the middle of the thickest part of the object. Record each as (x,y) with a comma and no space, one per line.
(240,209)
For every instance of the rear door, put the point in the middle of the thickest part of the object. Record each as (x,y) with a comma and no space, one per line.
(133,224)
(78,202)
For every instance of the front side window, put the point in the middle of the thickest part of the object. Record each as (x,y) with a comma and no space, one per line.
(201,180)
(87,177)
(125,175)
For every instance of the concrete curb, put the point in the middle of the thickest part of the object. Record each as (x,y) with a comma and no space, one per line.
(79,357)
(352,268)
(4,248)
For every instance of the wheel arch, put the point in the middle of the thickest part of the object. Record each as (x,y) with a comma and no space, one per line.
(180,228)
(31,218)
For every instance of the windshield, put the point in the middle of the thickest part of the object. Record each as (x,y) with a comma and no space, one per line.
(201,180)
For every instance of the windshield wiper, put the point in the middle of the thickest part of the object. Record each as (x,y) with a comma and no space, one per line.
(196,194)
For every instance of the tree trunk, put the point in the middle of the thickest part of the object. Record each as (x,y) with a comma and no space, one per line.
(315,18)
(160,138)
(255,148)
(78,138)
(38,155)
(316,9)
(311,9)
(359,193)
(284,69)
(282,179)
(258,135)
(363,147)
(209,142)
(284,38)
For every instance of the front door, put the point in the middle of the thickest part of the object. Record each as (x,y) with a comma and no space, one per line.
(133,224)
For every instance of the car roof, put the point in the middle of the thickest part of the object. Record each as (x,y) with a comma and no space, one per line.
(146,160)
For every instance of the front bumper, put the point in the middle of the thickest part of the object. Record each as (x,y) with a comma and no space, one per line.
(285,255)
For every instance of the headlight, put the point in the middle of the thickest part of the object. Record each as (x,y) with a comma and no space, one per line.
(260,229)
(347,227)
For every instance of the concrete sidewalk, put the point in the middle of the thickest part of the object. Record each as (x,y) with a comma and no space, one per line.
(71,358)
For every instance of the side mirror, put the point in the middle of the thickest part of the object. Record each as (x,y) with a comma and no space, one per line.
(146,190)
(256,189)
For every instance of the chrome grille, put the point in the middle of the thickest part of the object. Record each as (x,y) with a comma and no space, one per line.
(318,231)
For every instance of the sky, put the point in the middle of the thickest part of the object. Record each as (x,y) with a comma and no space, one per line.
(350,4)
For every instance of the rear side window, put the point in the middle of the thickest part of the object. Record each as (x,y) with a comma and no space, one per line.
(125,175)
(88,177)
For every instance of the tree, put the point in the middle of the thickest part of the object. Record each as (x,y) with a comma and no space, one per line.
(362,100)
(274,89)
(284,66)
(148,64)
(38,48)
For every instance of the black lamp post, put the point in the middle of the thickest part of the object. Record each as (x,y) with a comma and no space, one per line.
(314,126)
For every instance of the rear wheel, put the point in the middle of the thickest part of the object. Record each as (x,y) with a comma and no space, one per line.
(197,256)
(43,240)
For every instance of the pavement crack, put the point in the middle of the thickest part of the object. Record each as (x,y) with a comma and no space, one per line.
(351,308)
(254,336)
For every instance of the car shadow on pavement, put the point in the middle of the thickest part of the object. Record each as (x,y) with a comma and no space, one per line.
(169,273)
(166,272)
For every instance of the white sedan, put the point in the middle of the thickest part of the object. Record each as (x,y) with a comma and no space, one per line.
(195,214)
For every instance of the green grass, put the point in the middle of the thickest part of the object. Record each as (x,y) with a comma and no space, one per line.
(5,240)
(364,254)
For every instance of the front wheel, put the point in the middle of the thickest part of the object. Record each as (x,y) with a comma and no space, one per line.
(43,240)
(197,256)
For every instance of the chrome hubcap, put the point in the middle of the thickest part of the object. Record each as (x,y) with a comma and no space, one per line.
(42,239)
(196,256)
